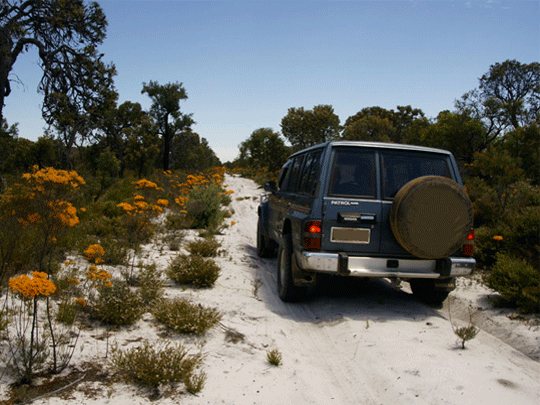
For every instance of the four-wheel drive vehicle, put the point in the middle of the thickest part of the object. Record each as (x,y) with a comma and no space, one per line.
(368,209)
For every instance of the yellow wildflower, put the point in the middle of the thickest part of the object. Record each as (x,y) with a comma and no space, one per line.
(81,301)
(94,254)
(32,287)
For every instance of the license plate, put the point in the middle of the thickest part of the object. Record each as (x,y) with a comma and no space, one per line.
(350,235)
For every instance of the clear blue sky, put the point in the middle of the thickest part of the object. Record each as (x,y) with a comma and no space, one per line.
(244,63)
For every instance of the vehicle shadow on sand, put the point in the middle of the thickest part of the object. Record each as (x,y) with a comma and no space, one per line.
(337,297)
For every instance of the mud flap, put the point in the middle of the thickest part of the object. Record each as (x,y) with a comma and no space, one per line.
(445,284)
(300,277)
(343,264)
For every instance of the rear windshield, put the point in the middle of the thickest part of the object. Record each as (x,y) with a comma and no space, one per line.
(353,174)
(400,169)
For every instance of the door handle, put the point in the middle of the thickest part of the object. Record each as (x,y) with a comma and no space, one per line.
(368,218)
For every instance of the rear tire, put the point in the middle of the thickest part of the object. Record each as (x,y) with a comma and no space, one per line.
(287,291)
(425,291)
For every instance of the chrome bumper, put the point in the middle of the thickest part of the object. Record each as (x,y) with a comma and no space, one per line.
(340,263)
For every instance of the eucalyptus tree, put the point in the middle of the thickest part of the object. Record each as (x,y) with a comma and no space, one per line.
(166,113)
(507,98)
(66,35)
(304,128)
(263,149)
(75,81)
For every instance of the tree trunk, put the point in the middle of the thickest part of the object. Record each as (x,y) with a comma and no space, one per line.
(6,63)
(166,144)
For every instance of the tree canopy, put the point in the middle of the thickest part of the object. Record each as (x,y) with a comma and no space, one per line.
(304,128)
(66,35)
(166,112)
(263,149)
(507,98)
(382,125)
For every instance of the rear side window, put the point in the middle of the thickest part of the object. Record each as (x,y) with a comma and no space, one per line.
(310,173)
(400,169)
(294,175)
(353,174)
(284,175)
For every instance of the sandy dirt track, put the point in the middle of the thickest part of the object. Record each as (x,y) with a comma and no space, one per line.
(356,342)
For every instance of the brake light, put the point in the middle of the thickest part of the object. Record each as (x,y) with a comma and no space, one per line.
(468,246)
(312,235)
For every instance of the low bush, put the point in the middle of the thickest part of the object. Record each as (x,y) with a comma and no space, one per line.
(165,364)
(151,284)
(176,220)
(517,282)
(183,316)
(116,251)
(194,270)
(274,357)
(207,247)
(204,207)
(173,240)
(117,305)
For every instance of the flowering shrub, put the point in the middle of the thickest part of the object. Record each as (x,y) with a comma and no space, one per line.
(143,183)
(94,254)
(199,198)
(79,292)
(142,209)
(28,341)
(32,287)
(34,216)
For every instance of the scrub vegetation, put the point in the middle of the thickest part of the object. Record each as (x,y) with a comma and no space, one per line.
(105,179)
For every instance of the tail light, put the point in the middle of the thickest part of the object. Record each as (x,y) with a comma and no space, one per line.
(312,235)
(468,246)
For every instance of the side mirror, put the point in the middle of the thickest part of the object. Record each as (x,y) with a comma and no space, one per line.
(270,186)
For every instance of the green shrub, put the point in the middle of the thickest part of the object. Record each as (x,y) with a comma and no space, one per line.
(521,232)
(517,282)
(204,207)
(195,270)
(151,284)
(176,220)
(173,240)
(274,357)
(183,316)
(207,247)
(486,247)
(117,305)
(67,313)
(164,364)
(116,251)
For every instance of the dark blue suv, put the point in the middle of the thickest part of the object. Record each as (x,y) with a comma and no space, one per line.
(366,209)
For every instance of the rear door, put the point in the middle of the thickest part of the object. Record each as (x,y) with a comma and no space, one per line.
(352,207)
(397,169)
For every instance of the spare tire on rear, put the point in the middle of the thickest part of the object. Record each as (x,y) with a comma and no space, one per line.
(431,217)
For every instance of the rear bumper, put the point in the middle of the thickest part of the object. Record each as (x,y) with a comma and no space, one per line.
(355,266)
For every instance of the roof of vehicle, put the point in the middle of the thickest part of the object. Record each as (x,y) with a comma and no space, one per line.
(379,145)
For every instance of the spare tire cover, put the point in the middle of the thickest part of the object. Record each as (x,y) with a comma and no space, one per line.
(431,217)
